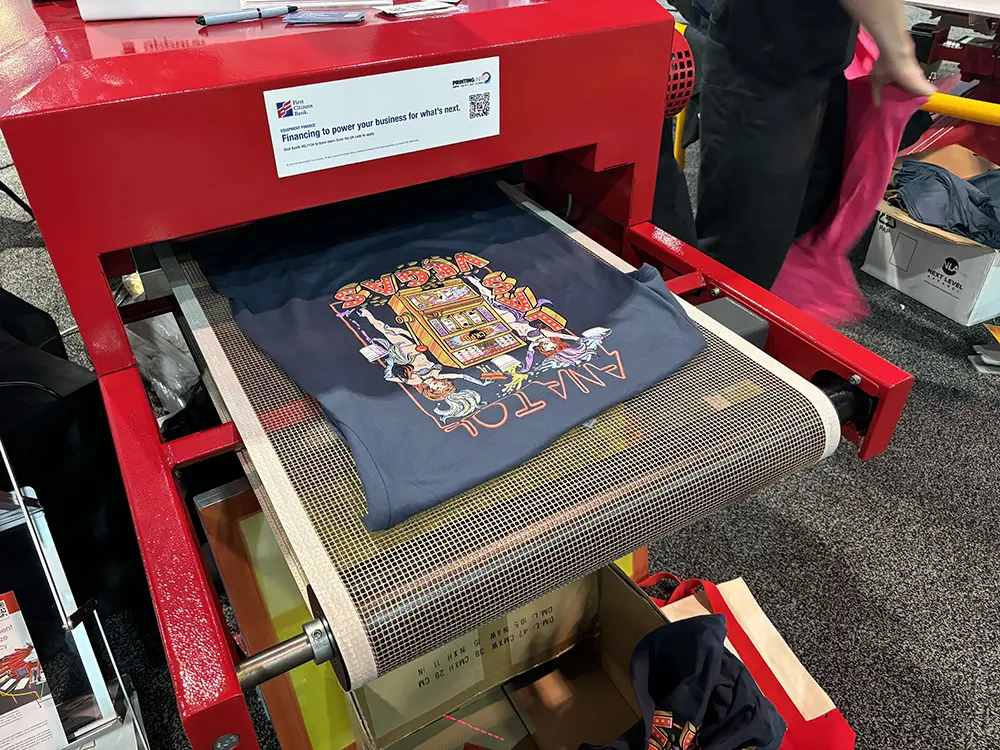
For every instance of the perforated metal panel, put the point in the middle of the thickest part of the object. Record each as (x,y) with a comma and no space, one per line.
(725,425)
(680,85)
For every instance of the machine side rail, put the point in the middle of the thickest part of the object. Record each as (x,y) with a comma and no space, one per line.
(796,339)
(196,641)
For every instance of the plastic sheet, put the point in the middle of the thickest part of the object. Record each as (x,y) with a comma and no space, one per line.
(164,360)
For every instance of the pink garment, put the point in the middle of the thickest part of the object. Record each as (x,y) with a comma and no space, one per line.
(817,276)
(865,55)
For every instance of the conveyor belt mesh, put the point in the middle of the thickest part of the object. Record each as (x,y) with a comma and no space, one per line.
(718,430)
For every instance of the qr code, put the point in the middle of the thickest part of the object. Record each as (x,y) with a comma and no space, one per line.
(479,105)
(3,608)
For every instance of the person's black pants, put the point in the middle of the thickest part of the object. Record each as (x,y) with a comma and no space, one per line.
(672,202)
(771,162)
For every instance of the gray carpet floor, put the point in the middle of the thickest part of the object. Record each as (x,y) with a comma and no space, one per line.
(882,575)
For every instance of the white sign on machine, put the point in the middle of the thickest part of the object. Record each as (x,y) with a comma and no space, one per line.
(325,125)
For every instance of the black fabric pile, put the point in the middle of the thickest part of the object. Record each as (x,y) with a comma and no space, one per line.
(694,693)
(932,195)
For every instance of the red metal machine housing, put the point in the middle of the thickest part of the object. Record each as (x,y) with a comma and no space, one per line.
(131,133)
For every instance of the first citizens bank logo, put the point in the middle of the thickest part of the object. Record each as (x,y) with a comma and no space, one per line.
(292,108)
(480,80)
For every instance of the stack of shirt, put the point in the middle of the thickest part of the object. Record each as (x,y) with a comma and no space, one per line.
(449,335)
(933,195)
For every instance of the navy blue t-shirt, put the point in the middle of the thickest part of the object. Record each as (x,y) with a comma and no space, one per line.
(449,335)
(693,693)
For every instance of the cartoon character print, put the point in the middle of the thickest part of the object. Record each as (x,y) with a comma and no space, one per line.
(555,349)
(502,338)
(406,364)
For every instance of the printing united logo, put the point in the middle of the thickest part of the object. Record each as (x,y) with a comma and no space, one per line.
(479,80)
(285,109)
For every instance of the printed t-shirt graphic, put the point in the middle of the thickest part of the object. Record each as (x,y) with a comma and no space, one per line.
(448,335)
(463,338)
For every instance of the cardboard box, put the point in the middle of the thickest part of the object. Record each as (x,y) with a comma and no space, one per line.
(584,694)
(409,698)
(949,273)
(573,701)
(489,722)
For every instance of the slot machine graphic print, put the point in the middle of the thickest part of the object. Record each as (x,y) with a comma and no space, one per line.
(460,337)
(455,323)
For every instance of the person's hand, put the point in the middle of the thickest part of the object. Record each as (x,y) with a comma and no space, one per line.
(897,62)
(903,70)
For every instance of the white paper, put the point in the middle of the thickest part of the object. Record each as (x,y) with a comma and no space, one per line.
(373,352)
(422,6)
(317,4)
(110,10)
(325,125)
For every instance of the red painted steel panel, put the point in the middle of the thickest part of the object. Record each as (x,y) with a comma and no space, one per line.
(196,641)
(198,446)
(134,132)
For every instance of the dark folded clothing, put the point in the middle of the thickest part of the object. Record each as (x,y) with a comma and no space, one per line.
(989,183)
(933,195)
(693,693)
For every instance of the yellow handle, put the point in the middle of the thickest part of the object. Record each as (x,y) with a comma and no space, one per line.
(972,110)
(679,153)
(679,120)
